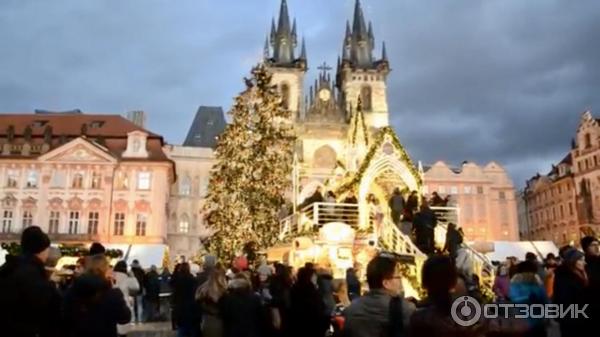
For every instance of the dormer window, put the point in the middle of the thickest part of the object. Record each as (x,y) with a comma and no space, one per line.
(136,145)
(96,124)
(39,124)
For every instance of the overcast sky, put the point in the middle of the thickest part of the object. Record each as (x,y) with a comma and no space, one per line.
(478,80)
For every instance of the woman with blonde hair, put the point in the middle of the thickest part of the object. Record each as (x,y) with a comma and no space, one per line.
(209,296)
(93,306)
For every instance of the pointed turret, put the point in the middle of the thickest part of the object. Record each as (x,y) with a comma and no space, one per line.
(294,36)
(359,28)
(384,53)
(266,50)
(273,31)
(360,40)
(303,50)
(283,47)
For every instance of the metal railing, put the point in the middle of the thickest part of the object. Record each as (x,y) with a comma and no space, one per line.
(318,214)
(391,238)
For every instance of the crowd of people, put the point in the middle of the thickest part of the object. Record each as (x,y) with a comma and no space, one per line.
(246,299)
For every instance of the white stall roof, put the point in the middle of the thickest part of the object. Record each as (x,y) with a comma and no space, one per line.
(518,249)
(146,254)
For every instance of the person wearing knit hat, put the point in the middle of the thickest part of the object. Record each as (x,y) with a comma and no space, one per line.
(35,242)
(590,246)
(96,249)
(30,301)
(571,287)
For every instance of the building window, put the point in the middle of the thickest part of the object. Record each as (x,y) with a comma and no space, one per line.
(588,140)
(59,179)
(12,179)
(595,160)
(185,186)
(140,225)
(453,190)
(442,189)
(53,222)
(468,189)
(119,224)
(366,98)
(479,189)
(96,180)
(184,224)
(554,213)
(122,180)
(77,180)
(32,179)
(502,195)
(570,208)
(143,181)
(7,218)
(93,219)
(426,189)
(73,222)
(562,212)
(203,186)
(285,95)
(579,166)
(27,219)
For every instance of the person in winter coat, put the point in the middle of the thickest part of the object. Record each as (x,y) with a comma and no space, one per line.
(280,289)
(382,311)
(591,249)
(185,310)
(354,286)
(307,314)
(424,224)
(138,305)
(501,286)
(526,287)
(571,286)
(128,285)
(208,266)
(29,302)
(241,310)
(94,306)
(439,278)
(453,241)
(209,296)
(412,202)
(325,287)
(152,294)
(396,204)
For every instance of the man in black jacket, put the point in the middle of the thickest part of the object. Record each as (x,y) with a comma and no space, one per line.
(29,302)
(591,247)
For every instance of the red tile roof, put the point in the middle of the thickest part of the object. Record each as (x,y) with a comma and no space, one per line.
(109,131)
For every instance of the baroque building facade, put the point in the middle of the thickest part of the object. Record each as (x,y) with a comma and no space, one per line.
(485,196)
(83,178)
(563,205)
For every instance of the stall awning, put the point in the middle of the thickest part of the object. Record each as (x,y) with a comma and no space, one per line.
(146,254)
(518,249)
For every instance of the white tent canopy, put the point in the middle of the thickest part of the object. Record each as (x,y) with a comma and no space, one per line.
(146,254)
(518,249)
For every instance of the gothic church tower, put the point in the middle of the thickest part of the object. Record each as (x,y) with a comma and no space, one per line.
(279,55)
(359,74)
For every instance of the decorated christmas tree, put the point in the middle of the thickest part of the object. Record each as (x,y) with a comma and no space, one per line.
(254,161)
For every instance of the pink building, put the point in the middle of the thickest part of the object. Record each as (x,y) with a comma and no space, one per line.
(485,197)
(83,178)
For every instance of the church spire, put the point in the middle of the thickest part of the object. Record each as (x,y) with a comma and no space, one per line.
(284,38)
(383,52)
(303,50)
(266,50)
(360,41)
